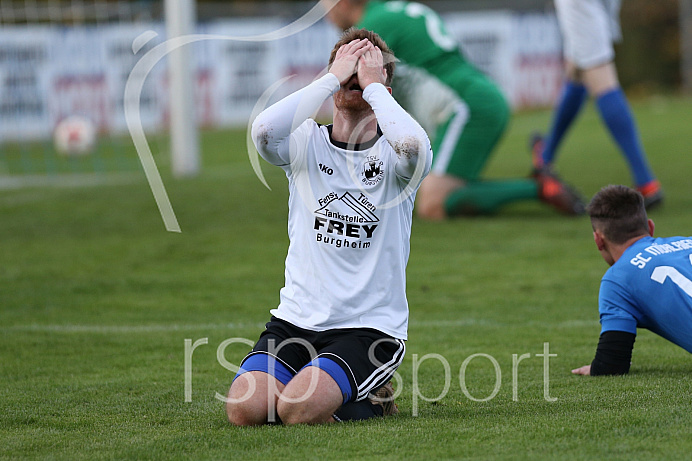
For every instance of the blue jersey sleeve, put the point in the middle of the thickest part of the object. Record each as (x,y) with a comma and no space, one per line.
(616,309)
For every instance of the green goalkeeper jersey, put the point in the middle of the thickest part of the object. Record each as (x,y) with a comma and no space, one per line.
(462,109)
(417,36)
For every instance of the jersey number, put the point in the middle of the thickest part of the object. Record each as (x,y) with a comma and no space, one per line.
(433,24)
(661,273)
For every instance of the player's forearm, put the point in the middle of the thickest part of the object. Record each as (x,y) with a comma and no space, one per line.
(273,127)
(614,353)
(404,134)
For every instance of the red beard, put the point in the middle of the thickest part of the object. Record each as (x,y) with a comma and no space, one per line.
(350,97)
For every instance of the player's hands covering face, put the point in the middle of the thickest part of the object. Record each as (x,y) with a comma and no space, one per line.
(359,57)
(346,59)
(371,66)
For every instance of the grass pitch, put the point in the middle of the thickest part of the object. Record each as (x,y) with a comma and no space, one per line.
(98,301)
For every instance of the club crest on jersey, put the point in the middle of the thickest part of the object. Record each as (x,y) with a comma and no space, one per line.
(373,171)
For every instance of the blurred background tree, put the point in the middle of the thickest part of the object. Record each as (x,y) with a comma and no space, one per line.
(649,58)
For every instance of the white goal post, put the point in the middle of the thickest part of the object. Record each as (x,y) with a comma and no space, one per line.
(180,20)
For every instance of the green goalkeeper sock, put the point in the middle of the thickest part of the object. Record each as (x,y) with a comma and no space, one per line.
(486,197)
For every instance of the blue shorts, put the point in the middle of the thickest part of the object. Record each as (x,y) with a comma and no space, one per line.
(360,360)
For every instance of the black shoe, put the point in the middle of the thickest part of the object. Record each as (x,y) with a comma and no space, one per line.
(653,195)
(553,191)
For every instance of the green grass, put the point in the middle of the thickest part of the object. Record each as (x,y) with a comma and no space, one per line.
(97,301)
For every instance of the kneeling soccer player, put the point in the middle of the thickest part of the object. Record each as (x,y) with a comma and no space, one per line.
(338,334)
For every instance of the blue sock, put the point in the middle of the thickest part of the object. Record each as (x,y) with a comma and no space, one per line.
(570,103)
(618,118)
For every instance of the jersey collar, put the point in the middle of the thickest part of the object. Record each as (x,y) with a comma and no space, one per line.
(346,146)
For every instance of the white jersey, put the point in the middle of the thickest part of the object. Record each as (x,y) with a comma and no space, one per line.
(350,210)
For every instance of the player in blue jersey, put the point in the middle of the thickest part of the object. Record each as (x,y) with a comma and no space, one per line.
(649,284)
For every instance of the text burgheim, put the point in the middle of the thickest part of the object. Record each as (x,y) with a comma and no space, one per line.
(341,242)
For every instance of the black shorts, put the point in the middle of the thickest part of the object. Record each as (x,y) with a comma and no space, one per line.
(361,360)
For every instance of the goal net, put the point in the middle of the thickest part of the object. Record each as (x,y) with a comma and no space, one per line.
(63,69)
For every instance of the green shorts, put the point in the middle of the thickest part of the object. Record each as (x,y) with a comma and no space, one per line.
(463,111)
